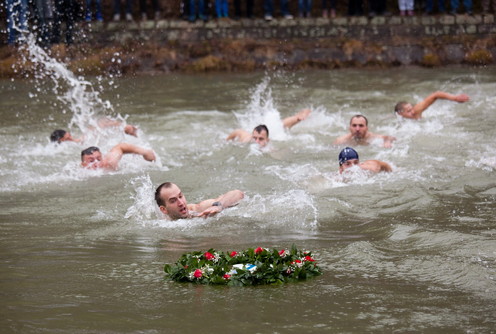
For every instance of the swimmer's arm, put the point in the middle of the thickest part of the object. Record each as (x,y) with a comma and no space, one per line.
(131,130)
(128,129)
(420,107)
(376,166)
(240,135)
(342,140)
(112,158)
(226,200)
(290,121)
(384,166)
(388,141)
(76,140)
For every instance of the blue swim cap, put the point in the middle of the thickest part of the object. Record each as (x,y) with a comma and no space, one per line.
(347,154)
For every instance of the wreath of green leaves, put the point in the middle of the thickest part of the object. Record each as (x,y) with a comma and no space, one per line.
(250,267)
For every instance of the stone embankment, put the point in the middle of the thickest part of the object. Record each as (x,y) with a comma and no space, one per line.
(254,44)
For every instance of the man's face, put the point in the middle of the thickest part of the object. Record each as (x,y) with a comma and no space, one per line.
(347,164)
(358,127)
(261,138)
(92,161)
(407,111)
(176,206)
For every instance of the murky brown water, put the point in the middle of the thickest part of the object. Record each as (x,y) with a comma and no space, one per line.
(411,251)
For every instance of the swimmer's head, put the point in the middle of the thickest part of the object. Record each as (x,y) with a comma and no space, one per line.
(91,157)
(347,158)
(57,135)
(347,154)
(359,127)
(171,201)
(404,109)
(260,135)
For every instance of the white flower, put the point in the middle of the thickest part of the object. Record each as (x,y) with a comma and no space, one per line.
(284,253)
(216,258)
(207,269)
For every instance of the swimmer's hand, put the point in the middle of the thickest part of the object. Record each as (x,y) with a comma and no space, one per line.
(131,130)
(388,141)
(461,98)
(211,211)
(149,155)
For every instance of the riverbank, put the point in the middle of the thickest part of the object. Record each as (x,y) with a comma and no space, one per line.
(166,46)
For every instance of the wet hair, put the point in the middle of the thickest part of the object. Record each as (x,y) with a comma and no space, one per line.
(346,154)
(358,116)
(159,199)
(57,135)
(89,151)
(260,128)
(399,106)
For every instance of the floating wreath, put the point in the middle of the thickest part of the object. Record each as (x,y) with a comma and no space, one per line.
(249,267)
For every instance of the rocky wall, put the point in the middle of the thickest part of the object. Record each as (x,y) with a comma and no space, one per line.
(254,44)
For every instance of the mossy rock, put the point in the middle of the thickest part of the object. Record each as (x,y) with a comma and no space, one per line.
(207,64)
(430,60)
(479,57)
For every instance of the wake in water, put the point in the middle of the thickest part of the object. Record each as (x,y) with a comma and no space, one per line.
(255,207)
(94,117)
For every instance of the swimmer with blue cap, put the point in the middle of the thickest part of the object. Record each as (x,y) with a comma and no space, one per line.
(348,158)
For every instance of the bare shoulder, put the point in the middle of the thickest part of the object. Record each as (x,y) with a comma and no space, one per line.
(239,135)
(376,166)
(344,139)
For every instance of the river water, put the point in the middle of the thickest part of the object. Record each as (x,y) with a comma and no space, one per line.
(410,251)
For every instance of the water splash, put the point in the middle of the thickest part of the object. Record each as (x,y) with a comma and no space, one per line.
(144,206)
(75,93)
(261,110)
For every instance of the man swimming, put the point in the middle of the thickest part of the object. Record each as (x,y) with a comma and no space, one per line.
(260,133)
(360,134)
(406,110)
(60,135)
(348,158)
(91,158)
(172,202)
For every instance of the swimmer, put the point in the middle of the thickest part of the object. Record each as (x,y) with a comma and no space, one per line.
(360,135)
(60,136)
(406,110)
(348,157)
(129,129)
(260,133)
(91,158)
(172,202)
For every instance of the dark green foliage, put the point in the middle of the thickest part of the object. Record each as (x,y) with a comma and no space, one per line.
(236,268)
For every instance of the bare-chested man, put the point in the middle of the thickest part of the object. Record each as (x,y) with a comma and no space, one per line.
(172,202)
(360,134)
(348,157)
(260,133)
(406,110)
(60,135)
(92,158)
